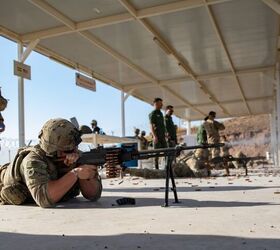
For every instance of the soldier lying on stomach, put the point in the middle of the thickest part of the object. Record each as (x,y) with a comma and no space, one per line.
(47,173)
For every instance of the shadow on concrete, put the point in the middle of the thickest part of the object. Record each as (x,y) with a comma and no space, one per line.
(213,188)
(17,241)
(110,202)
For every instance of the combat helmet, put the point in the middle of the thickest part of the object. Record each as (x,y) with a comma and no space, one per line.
(58,135)
(84,129)
(94,122)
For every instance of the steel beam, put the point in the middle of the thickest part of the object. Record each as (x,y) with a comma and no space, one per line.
(265,98)
(223,44)
(199,77)
(95,41)
(273,4)
(171,51)
(72,27)
(31,46)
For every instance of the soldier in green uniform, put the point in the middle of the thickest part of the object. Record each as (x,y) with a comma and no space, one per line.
(47,173)
(157,127)
(170,127)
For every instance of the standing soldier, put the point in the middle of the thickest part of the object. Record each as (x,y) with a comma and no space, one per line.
(143,141)
(225,153)
(157,127)
(212,128)
(170,127)
(96,129)
(136,133)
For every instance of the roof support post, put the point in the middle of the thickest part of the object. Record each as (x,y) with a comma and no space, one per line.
(31,46)
(274,145)
(273,4)
(21,125)
(128,94)
(124,98)
(189,127)
(226,51)
(123,113)
(277,113)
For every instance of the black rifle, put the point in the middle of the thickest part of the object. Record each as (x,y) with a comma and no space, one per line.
(243,161)
(117,156)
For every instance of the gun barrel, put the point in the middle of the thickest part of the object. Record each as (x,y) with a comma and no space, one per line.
(100,156)
(182,148)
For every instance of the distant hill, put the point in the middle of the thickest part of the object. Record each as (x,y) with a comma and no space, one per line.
(251,134)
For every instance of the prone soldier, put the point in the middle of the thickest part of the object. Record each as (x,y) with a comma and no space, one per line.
(47,173)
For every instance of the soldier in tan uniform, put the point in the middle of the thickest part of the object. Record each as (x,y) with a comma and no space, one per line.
(47,173)
(225,153)
(212,128)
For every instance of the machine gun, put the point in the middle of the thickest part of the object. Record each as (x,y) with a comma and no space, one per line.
(241,161)
(117,156)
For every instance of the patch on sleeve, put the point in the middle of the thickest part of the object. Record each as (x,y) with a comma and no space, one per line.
(36,172)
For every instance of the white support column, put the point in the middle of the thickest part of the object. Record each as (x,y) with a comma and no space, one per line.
(123,113)
(273,138)
(21,126)
(189,127)
(28,50)
(124,97)
(277,116)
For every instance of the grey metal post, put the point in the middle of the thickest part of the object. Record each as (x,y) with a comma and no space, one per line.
(21,125)
(123,113)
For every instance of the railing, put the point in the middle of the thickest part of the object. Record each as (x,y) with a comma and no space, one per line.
(9,147)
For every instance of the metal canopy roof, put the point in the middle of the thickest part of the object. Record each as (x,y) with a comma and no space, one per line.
(197,55)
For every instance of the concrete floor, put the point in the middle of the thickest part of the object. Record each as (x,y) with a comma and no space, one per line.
(215,213)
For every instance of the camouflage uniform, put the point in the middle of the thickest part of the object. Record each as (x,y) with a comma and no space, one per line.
(224,153)
(212,129)
(171,131)
(143,143)
(26,178)
(198,163)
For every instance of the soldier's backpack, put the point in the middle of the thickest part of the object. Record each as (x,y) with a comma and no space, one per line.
(201,136)
(3,102)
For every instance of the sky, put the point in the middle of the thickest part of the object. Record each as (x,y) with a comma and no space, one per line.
(52,93)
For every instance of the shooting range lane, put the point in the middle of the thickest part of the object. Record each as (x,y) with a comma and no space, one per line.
(242,213)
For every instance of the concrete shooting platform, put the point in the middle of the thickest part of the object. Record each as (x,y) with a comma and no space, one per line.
(215,213)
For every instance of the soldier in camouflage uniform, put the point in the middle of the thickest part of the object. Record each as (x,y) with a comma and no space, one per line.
(225,153)
(157,127)
(198,163)
(170,127)
(47,173)
(143,141)
(212,128)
